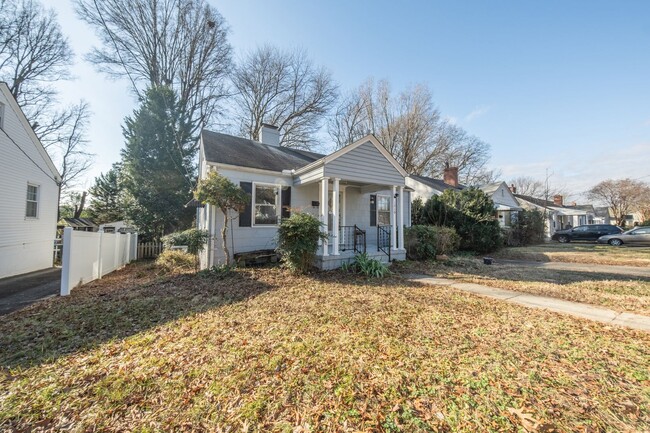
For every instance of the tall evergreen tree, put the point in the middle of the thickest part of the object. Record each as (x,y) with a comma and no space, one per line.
(158,168)
(108,201)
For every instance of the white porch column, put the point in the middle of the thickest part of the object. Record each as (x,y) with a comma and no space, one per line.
(401,217)
(323,211)
(393,220)
(335,217)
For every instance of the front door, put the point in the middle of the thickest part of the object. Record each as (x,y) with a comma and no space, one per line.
(383,210)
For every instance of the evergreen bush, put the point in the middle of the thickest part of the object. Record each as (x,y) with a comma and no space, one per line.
(298,238)
(471,213)
(194,239)
(425,242)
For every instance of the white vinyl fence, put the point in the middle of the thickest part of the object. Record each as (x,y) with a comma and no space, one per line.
(91,255)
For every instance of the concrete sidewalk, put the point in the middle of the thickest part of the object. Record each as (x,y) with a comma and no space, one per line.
(577,309)
(21,290)
(633,271)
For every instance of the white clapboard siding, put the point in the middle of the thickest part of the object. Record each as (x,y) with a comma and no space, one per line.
(26,244)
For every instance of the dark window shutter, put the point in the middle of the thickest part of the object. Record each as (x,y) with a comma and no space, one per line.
(373,210)
(245,216)
(286,202)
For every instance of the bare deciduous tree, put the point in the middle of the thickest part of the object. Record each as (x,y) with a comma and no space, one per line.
(622,196)
(177,43)
(284,89)
(34,53)
(71,149)
(527,185)
(409,127)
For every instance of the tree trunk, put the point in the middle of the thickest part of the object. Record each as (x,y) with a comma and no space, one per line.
(224,232)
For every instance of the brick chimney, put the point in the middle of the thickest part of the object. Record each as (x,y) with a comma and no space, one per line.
(513,188)
(558,200)
(450,176)
(270,135)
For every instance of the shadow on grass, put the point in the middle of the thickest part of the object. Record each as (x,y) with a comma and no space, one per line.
(122,304)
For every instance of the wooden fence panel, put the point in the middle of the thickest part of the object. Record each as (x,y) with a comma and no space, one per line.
(149,250)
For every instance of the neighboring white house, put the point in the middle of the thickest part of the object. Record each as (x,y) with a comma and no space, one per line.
(29,193)
(358,192)
(505,203)
(559,216)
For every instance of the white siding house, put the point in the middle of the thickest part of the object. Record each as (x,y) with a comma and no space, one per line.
(362,185)
(505,203)
(29,194)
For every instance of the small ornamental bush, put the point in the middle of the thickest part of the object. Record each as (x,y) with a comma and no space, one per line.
(425,242)
(367,266)
(175,261)
(298,238)
(194,239)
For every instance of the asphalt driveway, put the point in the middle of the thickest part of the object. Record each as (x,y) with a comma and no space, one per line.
(22,290)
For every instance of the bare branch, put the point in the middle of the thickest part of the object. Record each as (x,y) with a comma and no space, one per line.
(283,89)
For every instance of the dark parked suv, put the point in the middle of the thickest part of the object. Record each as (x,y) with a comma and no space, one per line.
(585,233)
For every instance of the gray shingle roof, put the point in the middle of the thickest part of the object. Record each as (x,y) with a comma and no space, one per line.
(227,149)
(438,184)
(536,201)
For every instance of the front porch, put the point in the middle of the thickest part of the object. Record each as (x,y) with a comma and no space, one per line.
(353,241)
(360,218)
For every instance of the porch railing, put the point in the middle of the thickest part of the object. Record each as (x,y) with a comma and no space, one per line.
(352,238)
(383,239)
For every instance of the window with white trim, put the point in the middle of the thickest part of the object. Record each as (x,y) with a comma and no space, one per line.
(266,204)
(383,210)
(31,210)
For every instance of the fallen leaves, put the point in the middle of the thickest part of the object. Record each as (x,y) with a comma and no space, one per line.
(268,351)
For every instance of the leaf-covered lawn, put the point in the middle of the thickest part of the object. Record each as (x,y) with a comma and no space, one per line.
(266,351)
(580,252)
(614,291)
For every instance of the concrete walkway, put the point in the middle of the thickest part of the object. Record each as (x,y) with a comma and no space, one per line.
(577,309)
(21,290)
(633,271)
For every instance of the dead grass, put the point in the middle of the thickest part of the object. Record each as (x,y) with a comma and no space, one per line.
(265,351)
(617,292)
(580,253)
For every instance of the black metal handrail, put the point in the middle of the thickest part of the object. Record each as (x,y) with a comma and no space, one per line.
(384,239)
(352,238)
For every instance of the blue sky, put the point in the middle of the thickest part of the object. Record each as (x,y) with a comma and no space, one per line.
(563,86)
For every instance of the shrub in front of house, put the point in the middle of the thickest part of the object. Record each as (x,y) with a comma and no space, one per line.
(194,239)
(364,264)
(176,261)
(471,213)
(298,238)
(424,242)
(528,229)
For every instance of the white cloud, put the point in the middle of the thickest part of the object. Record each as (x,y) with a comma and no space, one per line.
(476,113)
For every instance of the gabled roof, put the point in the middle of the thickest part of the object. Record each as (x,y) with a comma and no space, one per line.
(79,222)
(227,149)
(490,188)
(4,89)
(342,151)
(536,201)
(437,184)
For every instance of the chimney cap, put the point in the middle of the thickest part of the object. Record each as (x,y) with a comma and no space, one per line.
(268,125)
